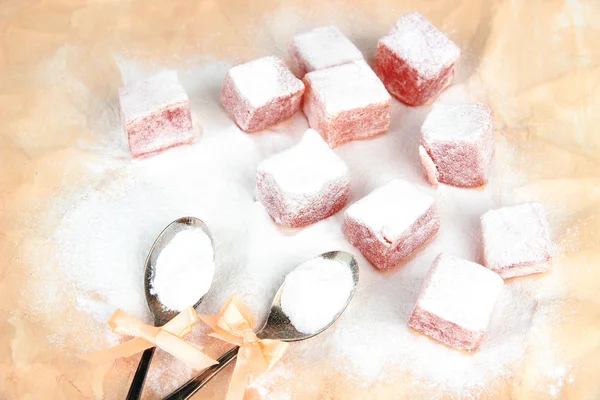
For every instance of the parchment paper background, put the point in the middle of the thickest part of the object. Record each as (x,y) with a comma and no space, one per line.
(537,62)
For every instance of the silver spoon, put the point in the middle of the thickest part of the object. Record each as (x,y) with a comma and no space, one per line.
(160,313)
(278,326)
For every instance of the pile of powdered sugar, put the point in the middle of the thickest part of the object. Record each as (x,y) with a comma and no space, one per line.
(315,292)
(128,202)
(184,270)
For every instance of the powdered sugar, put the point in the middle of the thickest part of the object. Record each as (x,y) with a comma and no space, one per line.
(306,167)
(184,270)
(347,87)
(460,292)
(321,48)
(391,209)
(315,292)
(449,122)
(143,97)
(260,81)
(516,240)
(107,227)
(421,45)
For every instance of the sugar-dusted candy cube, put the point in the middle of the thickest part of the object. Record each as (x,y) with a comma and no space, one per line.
(456,302)
(261,93)
(346,102)
(303,184)
(156,114)
(391,223)
(321,48)
(516,240)
(416,61)
(457,144)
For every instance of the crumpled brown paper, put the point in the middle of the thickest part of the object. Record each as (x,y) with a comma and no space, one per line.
(537,63)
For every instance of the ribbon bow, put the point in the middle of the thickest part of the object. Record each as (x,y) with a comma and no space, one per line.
(235,324)
(167,337)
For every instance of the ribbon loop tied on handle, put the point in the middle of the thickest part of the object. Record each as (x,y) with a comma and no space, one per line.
(235,324)
(167,337)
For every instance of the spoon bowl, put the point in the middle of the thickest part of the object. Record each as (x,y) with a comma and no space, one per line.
(278,326)
(160,313)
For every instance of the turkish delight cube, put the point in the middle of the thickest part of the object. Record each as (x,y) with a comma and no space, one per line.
(303,184)
(457,144)
(516,240)
(261,93)
(456,302)
(391,223)
(347,102)
(321,48)
(416,61)
(156,114)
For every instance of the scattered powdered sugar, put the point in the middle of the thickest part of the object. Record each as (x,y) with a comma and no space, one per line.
(391,209)
(184,270)
(108,225)
(323,48)
(347,87)
(260,81)
(315,292)
(420,44)
(448,122)
(143,97)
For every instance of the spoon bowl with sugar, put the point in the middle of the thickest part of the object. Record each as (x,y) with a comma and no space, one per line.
(312,297)
(178,273)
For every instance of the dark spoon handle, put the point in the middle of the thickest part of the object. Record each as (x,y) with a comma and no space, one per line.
(137,384)
(189,388)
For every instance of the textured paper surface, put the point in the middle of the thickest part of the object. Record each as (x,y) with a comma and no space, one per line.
(536,62)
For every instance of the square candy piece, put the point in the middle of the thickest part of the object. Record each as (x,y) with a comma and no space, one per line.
(416,61)
(303,184)
(261,93)
(346,102)
(516,240)
(156,114)
(321,48)
(456,302)
(391,223)
(457,144)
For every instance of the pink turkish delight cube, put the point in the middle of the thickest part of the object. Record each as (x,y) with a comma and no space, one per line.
(303,184)
(321,48)
(391,223)
(416,61)
(456,302)
(347,102)
(156,114)
(457,144)
(261,93)
(516,240)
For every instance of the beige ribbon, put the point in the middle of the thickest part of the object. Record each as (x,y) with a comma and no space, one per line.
(167,337)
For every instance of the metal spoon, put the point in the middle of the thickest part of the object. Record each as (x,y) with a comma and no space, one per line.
(161,314)
(278,326)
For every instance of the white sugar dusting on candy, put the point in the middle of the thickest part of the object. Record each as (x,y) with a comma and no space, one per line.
(420,44)
(143,97)
(347,87)
(305,168)
(448,122)
(260,81)
(391,209)
(322,48)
